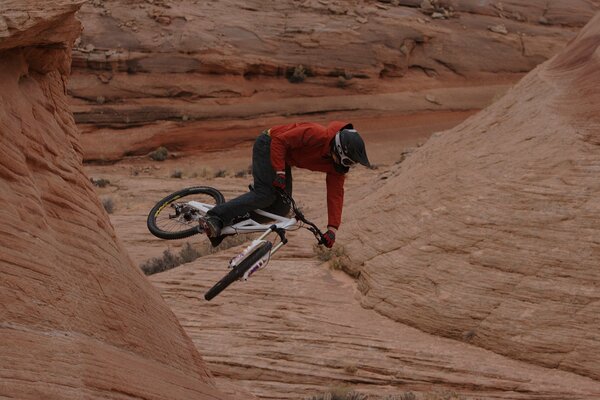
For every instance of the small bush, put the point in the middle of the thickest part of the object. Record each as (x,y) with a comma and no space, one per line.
(204,172)
(355,396)
(336,255)
(188,253)
(342,82)
(160,264)
(160,154)
(100,182)
(296,74)
(178,174)
(221,173)
(340,393)
(109,204)
(403,396)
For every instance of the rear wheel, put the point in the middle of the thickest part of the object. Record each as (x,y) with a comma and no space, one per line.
(174,218)
(239,270)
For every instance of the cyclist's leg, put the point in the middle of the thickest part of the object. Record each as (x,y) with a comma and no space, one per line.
(263,194)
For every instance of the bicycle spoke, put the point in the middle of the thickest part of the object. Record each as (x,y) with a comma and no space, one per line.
(167,224)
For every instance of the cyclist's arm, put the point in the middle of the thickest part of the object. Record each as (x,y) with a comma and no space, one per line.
(335,199)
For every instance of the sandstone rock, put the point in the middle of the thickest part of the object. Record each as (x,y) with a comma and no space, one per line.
(78,319)
(427,6)
(491,227)
(499,29)
(210,48)
(431,98)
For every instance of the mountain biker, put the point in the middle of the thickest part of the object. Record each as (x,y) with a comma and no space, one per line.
(332,149)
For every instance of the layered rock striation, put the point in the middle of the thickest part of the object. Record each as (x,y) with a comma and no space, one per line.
(167,72)
(489,232)
(77,318)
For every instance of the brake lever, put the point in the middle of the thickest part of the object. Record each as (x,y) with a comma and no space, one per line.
(318,234)
(312,227)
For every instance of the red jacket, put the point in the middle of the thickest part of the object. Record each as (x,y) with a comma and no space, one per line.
(307,145)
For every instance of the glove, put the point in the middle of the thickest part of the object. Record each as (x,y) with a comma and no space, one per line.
(329,238)
(279,181)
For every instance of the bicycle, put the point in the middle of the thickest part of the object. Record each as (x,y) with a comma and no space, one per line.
(183,222)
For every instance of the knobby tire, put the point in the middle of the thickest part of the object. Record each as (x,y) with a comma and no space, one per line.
(238,271)
(161,205)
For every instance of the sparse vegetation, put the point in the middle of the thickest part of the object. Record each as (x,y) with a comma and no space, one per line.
(109,204)
(204,172)
(188,253)
(336,255)
(159,154)
(344,393)
(340,393)
(221,173)
(244,172)
(342,82)
(100,182)
(297,74)
(178,174)
(402,396)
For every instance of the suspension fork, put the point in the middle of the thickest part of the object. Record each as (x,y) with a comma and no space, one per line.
(280,232)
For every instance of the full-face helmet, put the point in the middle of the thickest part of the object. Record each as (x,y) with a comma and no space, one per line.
(350,148)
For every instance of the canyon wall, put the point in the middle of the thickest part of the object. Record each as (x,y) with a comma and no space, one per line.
(182,73)
(489,233)
(77,318)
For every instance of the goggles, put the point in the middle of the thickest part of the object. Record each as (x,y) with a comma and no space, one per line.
(344,159)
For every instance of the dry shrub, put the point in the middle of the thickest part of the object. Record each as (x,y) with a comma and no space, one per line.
(204,172)
(188,253)
(336,255)
(340,393)
(221,173)
(402,396)
(178,174)
(159,154)
(101,182)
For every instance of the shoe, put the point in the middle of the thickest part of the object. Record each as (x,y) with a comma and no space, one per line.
(211,226)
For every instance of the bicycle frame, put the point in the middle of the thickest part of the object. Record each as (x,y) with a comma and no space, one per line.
(278,225)
(249,225)
(258,253)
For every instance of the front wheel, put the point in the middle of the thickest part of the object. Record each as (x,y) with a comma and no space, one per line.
(239,270)
(173,218)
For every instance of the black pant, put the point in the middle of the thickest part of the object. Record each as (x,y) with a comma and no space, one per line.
(263,196)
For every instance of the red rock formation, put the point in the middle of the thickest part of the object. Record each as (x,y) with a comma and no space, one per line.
(165,71)
(77,318)
(489,232)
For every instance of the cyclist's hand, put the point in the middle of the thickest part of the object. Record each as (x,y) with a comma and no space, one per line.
(329,238)
(279,181)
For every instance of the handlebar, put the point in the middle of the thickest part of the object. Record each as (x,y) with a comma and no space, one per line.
(300,216)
